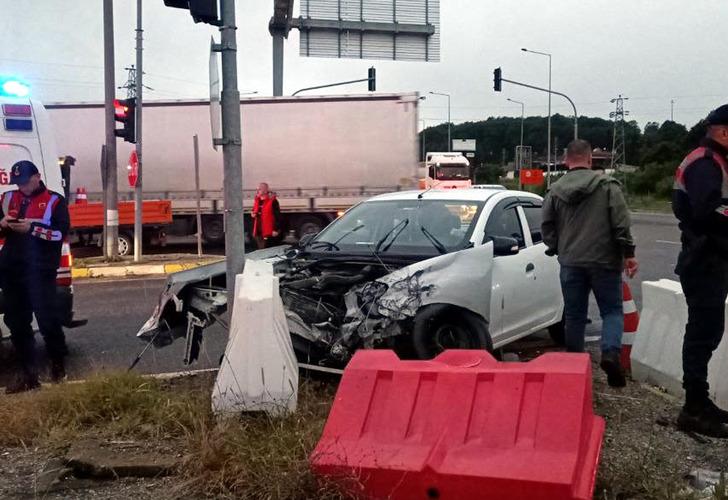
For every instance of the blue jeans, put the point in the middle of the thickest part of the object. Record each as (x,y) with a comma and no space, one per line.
(576,283)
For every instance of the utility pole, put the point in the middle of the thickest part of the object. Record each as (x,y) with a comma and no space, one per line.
(618,140)
(672,110)
(111,213)
(138,202)
(449,123)
(231,151)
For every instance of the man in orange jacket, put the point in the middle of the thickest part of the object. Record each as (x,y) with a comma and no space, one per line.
(266,217)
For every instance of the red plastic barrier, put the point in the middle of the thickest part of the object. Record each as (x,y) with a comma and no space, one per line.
(463,426)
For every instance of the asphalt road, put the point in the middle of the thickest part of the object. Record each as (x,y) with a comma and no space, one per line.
(116,309)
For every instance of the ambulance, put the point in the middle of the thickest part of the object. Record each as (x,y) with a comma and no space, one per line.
(26,134)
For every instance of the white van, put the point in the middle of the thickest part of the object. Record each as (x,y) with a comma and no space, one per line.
(26,134)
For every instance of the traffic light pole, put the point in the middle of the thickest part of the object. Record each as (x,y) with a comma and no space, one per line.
(231,151)
(111,194)
(138,201)
(371,79)
(576,116)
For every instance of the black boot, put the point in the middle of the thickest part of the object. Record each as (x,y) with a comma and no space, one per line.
(612,366)
(702,421)
(23,383)
(717,411)
(58,371)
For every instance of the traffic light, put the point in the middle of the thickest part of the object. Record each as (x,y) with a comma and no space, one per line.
(202,11)
(372,79)
(125,112)
(497,80)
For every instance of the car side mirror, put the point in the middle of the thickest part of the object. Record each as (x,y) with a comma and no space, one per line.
(503,245)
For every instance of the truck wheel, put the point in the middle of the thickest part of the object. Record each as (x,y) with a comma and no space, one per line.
(309,225)
(440,327)
(213,230)
(126,243)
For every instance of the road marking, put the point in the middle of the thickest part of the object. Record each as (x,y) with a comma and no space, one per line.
(668,242)
(596,338)
(98,281)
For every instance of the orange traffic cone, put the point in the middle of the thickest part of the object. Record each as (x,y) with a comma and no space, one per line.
(81,197)
(631,323)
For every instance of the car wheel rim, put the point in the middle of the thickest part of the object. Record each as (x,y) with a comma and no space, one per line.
(450,336)
(123,247)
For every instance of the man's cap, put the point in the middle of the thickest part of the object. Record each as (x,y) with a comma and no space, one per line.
(22,171)
(719,116)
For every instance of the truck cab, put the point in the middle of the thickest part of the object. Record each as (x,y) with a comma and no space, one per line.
(26,134)
(446,171)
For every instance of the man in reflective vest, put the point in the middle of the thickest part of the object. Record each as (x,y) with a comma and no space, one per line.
(266,217)
(33,222)
(700,202)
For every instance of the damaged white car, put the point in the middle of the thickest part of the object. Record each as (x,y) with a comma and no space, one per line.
(418,272)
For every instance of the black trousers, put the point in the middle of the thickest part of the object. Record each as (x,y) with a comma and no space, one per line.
(704,280)
(28,292)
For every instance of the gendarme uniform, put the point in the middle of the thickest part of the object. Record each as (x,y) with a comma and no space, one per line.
(700,202)
(28,267)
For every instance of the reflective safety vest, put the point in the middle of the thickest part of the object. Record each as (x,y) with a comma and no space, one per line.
(695,155)
(37,210)
(265,222)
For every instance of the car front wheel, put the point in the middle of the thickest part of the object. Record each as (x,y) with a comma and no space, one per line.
(437,328)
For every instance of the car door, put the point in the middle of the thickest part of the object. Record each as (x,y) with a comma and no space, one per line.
(513,275)
(548,305)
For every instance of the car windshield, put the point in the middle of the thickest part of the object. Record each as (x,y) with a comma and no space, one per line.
(452,173)
(401,227)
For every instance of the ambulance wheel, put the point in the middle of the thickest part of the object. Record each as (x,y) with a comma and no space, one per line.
(126,244)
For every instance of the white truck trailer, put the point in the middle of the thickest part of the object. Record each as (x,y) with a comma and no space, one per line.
(320,154)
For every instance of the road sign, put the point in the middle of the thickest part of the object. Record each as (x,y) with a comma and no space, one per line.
(370,29)
(532,176)
(133,169)
(215,110)
(463,144)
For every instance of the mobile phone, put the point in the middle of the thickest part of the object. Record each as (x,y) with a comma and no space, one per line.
(13,221)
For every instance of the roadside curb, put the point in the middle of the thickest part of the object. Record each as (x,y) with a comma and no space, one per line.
(135,270)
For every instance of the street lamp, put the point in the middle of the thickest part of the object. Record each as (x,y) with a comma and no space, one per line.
(522,116)
(548,134)
(449,141)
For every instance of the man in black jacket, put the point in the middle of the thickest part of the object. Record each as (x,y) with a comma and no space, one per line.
(34,222)
(700,202)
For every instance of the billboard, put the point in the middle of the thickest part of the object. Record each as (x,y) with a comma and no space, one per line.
(398,30)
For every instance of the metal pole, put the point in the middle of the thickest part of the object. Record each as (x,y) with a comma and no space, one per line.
(104,174)
(138,199)
(196,147)
(111,195)
(548,153)
(232,151)
(672,110)
(278,64)
(449,123)
(576,116)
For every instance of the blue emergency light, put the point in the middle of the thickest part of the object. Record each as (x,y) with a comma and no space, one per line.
(13,87)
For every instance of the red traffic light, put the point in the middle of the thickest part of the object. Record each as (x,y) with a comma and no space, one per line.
(121,109)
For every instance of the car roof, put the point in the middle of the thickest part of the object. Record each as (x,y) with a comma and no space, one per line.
(464,194)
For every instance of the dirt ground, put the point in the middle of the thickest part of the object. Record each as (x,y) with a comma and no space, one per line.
(643,457)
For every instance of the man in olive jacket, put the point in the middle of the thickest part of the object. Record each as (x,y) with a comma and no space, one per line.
(586,223)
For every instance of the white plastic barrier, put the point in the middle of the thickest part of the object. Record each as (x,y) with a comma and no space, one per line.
(259,371)
(657,350)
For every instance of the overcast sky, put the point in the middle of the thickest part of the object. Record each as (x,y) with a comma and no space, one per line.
(651,51)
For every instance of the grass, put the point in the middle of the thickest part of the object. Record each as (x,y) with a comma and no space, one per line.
(649,203)
(253,456)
